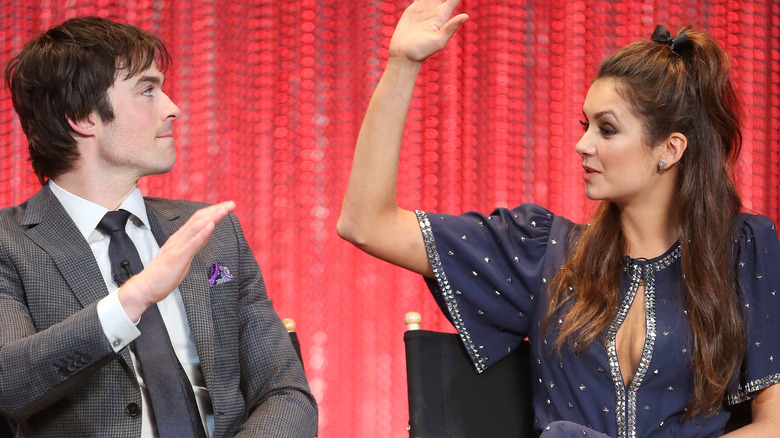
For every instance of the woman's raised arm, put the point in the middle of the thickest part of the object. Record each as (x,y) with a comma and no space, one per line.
(370,216)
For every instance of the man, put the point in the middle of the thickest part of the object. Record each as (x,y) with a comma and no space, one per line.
(73,341)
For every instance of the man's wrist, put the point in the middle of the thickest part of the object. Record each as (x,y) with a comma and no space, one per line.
(116,325)
(131,297)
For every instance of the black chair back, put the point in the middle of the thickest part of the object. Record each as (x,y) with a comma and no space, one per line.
(447,398)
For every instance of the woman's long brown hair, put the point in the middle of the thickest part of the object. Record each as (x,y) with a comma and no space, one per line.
(687,92)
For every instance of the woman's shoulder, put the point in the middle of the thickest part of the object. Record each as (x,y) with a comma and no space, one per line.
(528,218)
(531,214)
(748,225)
(756,247)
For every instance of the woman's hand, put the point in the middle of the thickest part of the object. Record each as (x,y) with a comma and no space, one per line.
(424,29)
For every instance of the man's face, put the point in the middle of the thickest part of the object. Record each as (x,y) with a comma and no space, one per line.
(139,141)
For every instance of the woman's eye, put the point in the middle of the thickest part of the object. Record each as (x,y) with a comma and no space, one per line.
(607,130)
(585,124)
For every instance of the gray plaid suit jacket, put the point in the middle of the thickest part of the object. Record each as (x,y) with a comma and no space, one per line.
(59,377)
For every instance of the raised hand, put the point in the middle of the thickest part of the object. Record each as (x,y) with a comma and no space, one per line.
(170,266)
(424,29)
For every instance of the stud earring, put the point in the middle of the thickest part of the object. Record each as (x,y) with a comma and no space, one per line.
(661,165)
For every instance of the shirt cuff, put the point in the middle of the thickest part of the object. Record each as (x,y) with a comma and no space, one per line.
(117,327)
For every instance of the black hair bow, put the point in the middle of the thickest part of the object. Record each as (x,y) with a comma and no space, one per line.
(678,44)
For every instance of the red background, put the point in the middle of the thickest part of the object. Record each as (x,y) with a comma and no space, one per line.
(273,94)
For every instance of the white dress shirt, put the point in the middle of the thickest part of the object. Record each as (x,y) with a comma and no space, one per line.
(117,326)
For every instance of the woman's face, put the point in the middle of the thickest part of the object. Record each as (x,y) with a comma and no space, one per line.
(617,165)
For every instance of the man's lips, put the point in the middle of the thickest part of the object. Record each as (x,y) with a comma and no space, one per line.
(166,132)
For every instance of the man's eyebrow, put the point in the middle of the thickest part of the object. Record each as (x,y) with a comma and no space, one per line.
(150,80)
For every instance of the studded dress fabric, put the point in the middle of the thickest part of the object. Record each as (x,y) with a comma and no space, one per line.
(491,276)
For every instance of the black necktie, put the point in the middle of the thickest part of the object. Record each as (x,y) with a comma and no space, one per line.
(170,392)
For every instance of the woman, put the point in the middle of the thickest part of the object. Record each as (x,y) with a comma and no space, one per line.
(645,323)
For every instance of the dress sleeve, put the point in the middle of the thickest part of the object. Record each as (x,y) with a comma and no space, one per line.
(758,275)
(488,273)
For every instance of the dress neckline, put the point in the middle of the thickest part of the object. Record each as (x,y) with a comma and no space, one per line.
(673,252)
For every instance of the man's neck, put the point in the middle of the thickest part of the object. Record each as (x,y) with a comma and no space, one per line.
(106,192)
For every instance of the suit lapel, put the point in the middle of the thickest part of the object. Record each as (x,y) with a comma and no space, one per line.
(54,231)
(194,288)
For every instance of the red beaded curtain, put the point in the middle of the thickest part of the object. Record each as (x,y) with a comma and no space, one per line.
(273,94)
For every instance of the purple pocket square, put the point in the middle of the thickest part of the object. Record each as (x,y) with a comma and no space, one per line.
(219,274)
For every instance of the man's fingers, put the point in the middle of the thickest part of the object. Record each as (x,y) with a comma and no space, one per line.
(197,241)
(213,213)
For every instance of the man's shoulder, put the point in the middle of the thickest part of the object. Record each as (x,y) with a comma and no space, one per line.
(11,217)
(174,207)
(14,210)
(16,215)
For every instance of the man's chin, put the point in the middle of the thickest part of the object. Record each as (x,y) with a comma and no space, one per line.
(163,168)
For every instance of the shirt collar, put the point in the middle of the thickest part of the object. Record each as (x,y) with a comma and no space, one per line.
(86,214)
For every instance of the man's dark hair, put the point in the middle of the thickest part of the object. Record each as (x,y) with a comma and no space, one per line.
(65,74)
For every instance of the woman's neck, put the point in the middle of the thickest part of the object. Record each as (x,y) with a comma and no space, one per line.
(649,229)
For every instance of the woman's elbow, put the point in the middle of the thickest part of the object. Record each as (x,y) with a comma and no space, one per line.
(347,229)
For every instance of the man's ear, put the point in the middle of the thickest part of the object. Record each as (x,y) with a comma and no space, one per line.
(672,148)
(85,127)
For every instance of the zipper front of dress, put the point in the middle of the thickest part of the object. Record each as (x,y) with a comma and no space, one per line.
(625,397)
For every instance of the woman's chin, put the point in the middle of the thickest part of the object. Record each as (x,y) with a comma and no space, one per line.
(593,196)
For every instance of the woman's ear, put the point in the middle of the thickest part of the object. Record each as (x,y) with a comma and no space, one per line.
(672,149)
(84,127)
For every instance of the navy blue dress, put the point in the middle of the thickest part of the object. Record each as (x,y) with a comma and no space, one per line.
(491,274)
